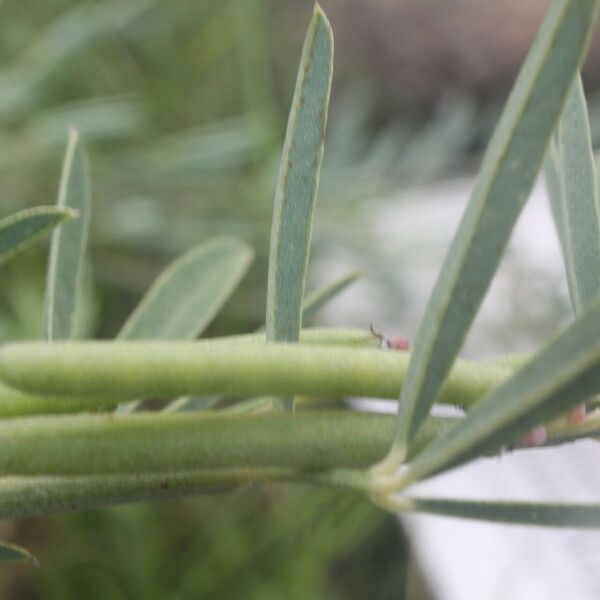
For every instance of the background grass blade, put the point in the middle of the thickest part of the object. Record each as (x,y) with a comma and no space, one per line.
(190,292)
(559,377)
(67,251)
(69,34)
(13,553)
(317,300)
(573,192)
(508,172)
(518,513)
(297,186)
(20,230)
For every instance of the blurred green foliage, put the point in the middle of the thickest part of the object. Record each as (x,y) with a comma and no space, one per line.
(270,543)
(183,105)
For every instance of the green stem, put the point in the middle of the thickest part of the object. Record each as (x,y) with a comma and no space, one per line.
(129,370)
(41,495)
(28,496)
(159,443)
(563,430)
(326,336)
(14,403)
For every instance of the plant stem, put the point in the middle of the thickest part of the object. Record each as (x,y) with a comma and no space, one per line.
(27,496)
(43,494)
(327,336)
(159,443)
(562,430)
(129,370)
(14,403)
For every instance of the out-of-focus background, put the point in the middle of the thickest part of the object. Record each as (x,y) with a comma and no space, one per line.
(183,107)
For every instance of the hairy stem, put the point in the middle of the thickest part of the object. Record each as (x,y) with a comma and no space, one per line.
(129,370)
(15,403)
(28,496)
(159,443)
(51,440)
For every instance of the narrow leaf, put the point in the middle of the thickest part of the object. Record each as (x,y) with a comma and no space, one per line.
(67,250)
(190,292)
(508,172)
(14,553)
(563,374)
(316,301)
(573,192)
(297,186)
(20,230)
(546,514)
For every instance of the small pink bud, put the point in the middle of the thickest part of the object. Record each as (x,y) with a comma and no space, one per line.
(396,342)
(536,437)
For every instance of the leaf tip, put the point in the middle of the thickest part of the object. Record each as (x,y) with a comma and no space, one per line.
(319,16)
(73,135)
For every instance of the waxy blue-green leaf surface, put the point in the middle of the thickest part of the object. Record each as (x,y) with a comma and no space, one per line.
(20,230)
(545,514)
(67,251)
(573,191)
(509,169)
(297,186)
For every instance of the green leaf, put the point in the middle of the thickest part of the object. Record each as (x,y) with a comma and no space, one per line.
(297,186)
(20,230)
(563,374)
(573,191)
(508,172)
(69,242)
(13,553)
(316,301)
(519,513)
(190,292)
